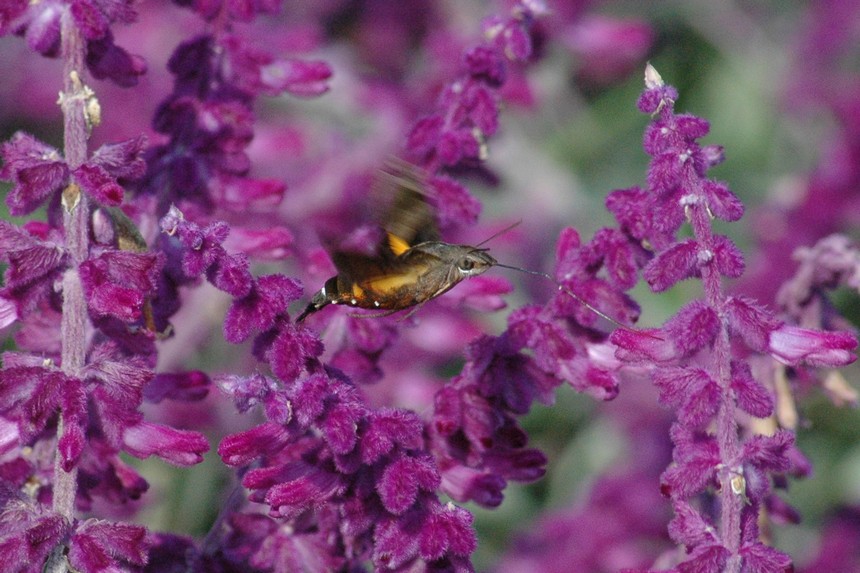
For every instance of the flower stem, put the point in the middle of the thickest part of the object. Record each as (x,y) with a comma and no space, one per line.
(731,501)
(73,101)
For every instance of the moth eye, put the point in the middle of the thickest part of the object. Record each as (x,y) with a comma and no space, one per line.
(466,265)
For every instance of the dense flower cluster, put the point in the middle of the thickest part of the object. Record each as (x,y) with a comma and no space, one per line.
(356,481)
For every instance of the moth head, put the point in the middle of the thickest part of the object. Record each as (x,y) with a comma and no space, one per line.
(474,261)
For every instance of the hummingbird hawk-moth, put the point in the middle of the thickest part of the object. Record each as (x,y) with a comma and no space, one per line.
(411,265)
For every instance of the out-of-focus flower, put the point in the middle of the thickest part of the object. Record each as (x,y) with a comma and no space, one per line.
(40,23)
(609,49)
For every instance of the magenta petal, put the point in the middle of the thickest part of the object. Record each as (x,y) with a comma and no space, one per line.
(270,244)
(386,428)
(102,546)
(487,65)
(302,78)
(232,275)
(728,258)
(630,207)
(643,345)
(722,202)
(759,557)
(89,19)
(29,539)
(466,484)
(29,259)
(769,452)
(678,262)
(34,185)
(689,527)
(751,396)
(116,283)
(456,205)
(425,135)
(708,558)
(106,60)
(8,312)
(291,350)
(448,530)
(242,448)
(402,480)
(396,542)
(190,386)
(43,30)
(339,428)
(179,447)
(122,160)
(693,327)
(302,486)
(752,322)
(96,181)
(74,408)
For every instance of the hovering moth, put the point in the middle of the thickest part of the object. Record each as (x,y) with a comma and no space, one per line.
(411,265)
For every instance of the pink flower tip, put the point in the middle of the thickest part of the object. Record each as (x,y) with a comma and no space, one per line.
(792,345)
(179,447)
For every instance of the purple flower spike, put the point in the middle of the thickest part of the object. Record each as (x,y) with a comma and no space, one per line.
(699,359)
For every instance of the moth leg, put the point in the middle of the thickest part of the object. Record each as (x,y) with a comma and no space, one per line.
(412,311)
(374,315)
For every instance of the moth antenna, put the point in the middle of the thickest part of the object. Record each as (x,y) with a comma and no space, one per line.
(497,234)
(573,295)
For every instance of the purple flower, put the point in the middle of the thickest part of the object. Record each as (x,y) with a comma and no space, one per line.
(38,171)
(116,283)
(40,26)
(175,446)
(34,264)
(791,345)
(467,109)
(609,49)
(97,545)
